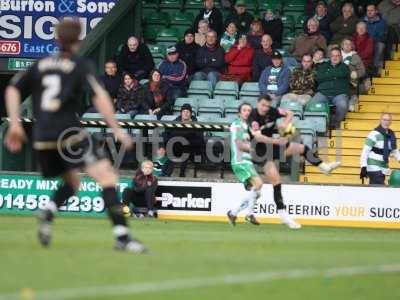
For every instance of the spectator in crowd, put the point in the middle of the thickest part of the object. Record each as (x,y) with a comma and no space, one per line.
(239,61)
(357,69)
(333,7)
(273,26)
(194,140)
(255,34)
(142,195)
(377,30)
(229,37)
(321,15)
(379,145)
(333,85)
(390,10)
(160,103)
(187,50)
(135,58)
(200,35)
(163,166)
(212,16)
(262,57)
(274,80)
(131,98)
(241,17)
(319,56)
(344,25)
(364,44)
(210,60)
(302,82)
(174,71)
(111,81)
(308,42)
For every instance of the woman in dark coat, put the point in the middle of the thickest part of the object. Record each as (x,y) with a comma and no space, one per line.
(160,102)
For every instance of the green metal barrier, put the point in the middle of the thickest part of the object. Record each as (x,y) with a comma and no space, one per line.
(99,45)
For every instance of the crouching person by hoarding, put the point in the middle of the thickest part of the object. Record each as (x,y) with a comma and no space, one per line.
(379,145)
(142,194)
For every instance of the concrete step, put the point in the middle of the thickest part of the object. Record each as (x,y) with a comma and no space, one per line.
(392,64)
(379,98)
(354,133)
(378,107)
(366,125)
(368,116)
(390,73)
(388,90)
(386,80)
(334,178)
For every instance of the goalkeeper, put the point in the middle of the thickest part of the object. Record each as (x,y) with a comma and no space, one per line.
(263,126)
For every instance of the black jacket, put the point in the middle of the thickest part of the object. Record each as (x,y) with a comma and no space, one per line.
(274,28)
(187,52)
(166,103)
(210,59)
(242,21)
(111,84)
(260,62)
(215,20)
(139,63)
(194,137)
(134,100)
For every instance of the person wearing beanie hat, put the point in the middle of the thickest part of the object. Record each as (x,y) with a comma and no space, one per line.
(187,50)
(241,17)
(274,80)
(212,15)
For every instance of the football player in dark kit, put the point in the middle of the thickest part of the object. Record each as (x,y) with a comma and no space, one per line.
(263,125)
(57,85)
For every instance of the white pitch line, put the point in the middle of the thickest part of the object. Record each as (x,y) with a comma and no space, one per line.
(180,284)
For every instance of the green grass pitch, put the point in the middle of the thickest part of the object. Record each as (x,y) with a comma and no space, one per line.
(198,260)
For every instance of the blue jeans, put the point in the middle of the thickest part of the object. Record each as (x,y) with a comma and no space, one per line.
(341,102)
(212,77)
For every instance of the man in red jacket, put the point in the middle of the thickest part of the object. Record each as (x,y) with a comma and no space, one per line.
(239,60)
(364,44)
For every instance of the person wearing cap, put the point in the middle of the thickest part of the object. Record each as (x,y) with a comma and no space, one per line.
(309,41)
(212,15)
(239,61)
(210,60)
(274,80)
(273,26)
(333,85)
(255,34)
(187,50)
(241,17)
(262,57)
(135,58)
(174,71)
(229,37)
(380,144)
(194,140)
(322,16)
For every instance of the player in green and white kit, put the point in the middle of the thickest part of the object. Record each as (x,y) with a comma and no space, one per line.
(243,167)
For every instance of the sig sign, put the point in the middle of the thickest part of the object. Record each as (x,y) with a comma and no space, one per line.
(27,27)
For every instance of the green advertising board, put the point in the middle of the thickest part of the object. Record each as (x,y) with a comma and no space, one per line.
(25,194)
(19,64)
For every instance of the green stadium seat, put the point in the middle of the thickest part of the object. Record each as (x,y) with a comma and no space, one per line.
(167,36)
(284,52)
(211,107)
(157,51)
(318,113)
(182,18)
(194,6)
(307,132)
(143,81)
(294,6)
(145,118)
(293,106)
(226,90)
(200,89)
(150,32)
(168,118)
(299,23)
(180,101)
(288,38)
(263,6)
(156,18)
(249,90)
(171,5)
(288,22)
